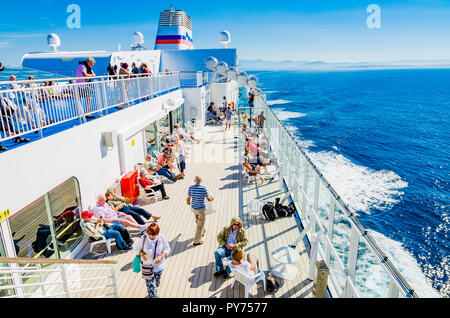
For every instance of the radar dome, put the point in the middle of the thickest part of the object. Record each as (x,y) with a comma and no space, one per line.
(242,77)
(252,81)
(211,63)
(222,67)
(232,73)
(138,38)
(225,38)
(54,41)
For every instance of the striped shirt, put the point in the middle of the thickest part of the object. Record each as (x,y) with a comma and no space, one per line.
(198,193)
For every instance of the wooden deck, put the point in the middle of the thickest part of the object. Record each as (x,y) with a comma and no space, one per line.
(188,269)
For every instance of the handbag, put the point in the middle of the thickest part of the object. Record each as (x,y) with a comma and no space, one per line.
(137,259)
(147,271)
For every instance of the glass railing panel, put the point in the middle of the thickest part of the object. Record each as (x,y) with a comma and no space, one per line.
(371,280)
(322,243)
(336,275)
(341,235)
(323,207)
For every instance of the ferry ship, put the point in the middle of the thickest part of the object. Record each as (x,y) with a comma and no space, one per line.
(68,142)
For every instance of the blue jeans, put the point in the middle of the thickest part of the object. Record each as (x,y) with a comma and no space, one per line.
(166,173)
(136,213)
(115,234)
(153,284)
(220,253)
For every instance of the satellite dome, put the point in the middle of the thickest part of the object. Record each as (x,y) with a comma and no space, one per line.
(252,81)
(211,63)
(1,67)
(242,77)
(138,38)
(232,73)
(225,38)
(222,67)
(54,41)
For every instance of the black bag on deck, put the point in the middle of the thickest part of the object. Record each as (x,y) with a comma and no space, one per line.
(269,211)
(281,210)
(272,284)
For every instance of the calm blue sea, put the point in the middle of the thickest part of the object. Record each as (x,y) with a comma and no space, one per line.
(382,138)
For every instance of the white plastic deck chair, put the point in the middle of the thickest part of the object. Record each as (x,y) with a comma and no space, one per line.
(150,193)
(250,179)
(248,281)
(255,207)
(94,241)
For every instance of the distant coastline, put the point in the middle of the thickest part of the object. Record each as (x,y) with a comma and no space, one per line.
(288,65)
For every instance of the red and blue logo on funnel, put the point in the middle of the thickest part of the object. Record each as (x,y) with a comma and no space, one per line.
(175,39)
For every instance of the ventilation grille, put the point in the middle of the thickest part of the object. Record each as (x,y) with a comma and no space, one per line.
(175,18)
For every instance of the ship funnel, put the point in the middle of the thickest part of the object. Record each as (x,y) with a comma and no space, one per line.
(174,31)
(54,41)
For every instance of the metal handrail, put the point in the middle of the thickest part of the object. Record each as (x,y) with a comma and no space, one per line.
(101,77)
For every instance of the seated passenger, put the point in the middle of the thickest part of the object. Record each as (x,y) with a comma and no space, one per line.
(117,203)
(152,169)
(252,169)
(102,209)
(95,227)
(248,268)
(149,185)
(231,237)
(165,160)
(212,112)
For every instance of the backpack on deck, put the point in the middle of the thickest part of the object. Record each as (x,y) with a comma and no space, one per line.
(269,211)
(283,210)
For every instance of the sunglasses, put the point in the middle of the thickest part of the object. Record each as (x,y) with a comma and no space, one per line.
(237,224)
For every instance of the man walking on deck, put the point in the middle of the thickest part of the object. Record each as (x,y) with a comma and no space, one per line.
(196,198)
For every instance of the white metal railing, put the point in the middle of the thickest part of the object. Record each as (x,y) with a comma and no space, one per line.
(335,234)
(47,278)
(193,79)
(32,108)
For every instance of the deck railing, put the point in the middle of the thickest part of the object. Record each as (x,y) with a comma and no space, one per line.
(358,267)
(32,108)
(57,278)
(193,79)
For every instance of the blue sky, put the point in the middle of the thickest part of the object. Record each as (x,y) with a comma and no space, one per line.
(327,30)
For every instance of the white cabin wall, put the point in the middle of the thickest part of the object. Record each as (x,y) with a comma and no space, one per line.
(195,103)
(39,167)
(219,90)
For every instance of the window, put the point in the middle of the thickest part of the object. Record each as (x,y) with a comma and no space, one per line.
(48,227)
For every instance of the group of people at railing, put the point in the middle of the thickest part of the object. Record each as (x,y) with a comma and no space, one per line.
(30,106)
